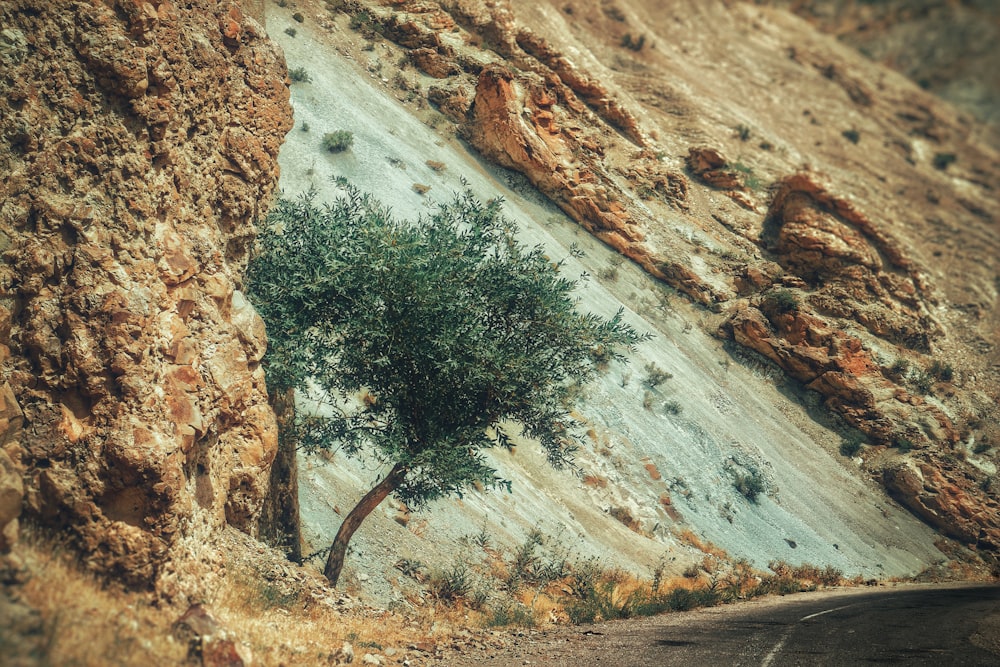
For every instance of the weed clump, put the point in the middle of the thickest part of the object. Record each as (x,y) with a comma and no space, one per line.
(750,485)
(299,75)
(338,142)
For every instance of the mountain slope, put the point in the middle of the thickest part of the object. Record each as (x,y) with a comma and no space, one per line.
(817,499)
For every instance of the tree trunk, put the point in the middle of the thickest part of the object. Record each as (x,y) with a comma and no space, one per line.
(372,499)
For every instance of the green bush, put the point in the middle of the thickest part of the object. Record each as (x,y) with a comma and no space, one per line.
(784,301)
(339,141)
(943,372)
(851,444)
(299,75)
(943,160)
(750,485)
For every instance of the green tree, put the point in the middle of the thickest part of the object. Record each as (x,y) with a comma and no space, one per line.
(425,339)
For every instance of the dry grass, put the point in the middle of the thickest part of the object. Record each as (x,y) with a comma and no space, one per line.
(284,621)
(87,622)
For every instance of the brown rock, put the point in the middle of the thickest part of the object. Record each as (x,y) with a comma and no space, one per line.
(434,64)
(208,642)
(11,495)
(150,146)
(712,168)
(946,499)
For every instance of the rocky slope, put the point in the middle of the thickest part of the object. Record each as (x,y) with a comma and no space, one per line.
(853,241)
(948,48)
(816,210)
(139,145)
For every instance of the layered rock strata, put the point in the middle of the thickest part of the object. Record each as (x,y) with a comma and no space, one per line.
(825,251)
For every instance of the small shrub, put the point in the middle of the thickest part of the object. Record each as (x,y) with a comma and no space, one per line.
(298,18)
(750,181)
(943,160)
(981,447)
(655,376)
(784,301)
(421,189)
(673,407)
(743,132)
(647,400)
(852,135)
(749,485)
(436,166)
(943,372)
(899,369)
(452,584)
(304,127)
(299,75)
(851,444)
(903,443)
(339,141)
(922,381)
(608,274)
(291,32)
(633,44)
(507,614)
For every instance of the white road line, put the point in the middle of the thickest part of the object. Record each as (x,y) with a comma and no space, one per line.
(820,613)
(769,658)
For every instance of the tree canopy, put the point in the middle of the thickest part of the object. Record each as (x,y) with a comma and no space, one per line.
(422,338)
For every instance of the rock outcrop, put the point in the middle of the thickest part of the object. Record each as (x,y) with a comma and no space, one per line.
(139,145)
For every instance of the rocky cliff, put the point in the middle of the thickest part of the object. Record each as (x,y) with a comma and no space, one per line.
(139,144)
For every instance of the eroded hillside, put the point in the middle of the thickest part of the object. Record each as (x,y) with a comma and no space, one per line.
(784,203)
(800,193)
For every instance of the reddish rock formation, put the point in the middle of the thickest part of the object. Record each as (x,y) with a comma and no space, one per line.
(939,493)
(142,145)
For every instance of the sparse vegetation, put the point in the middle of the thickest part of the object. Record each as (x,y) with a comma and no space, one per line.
(750,485)
(784,301)
(942,371)
(338,141)
(921,380)
(655,376)
(903,443)
(747,177)
(299,75)
(672,407)
(421,189)
(852,135)
(943,160)
(899,370)
(743,132)
(291,32)
(633,44)
(542,576)
(436,166)
(851,444)
(610,272)
(298,17)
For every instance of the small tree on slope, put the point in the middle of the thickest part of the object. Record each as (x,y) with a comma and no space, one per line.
(422,339)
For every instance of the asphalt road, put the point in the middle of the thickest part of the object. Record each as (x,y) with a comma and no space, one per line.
(912,625)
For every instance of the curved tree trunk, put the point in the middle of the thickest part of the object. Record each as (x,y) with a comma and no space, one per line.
(372,499)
